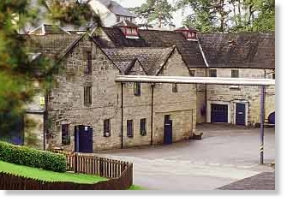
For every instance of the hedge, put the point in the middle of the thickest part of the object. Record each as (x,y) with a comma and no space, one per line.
(22,155)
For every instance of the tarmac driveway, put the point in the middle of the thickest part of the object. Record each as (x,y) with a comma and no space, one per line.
(224,155)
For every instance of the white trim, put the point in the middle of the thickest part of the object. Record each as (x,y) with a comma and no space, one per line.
(132,37)
(221,103)
(193,80)
(192,39)
(246,110)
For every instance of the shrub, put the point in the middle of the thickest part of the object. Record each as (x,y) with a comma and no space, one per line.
(31,157)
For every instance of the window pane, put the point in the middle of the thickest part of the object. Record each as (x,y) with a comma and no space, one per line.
(192,73)
(107,128)
(174,87)
(65,137)
(130,128)
(137,89)
(234,73)
(143,127)
(213,73)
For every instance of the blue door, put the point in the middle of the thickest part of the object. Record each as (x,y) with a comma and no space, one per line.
(240,114)
(219,113)
(83,139)
(167,130)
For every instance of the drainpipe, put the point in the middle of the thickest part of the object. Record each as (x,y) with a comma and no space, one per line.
(152,97)
(262,100)
(262,116)
(122,115)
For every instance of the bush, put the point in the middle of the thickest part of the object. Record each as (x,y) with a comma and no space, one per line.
(31,157)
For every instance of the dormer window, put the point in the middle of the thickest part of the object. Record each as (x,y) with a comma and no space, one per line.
(129,29)
(189,33)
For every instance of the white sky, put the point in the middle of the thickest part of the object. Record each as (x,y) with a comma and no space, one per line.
(177,16)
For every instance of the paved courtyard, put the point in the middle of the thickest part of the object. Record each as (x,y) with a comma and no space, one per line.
(225,155)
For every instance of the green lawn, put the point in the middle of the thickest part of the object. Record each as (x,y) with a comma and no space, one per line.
(136,187)
(48,175)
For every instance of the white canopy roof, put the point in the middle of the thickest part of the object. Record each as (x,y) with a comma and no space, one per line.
(194,80)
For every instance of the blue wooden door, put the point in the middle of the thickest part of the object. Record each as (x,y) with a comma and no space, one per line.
(167,130)
(219,113)
(240,114)
(83,139)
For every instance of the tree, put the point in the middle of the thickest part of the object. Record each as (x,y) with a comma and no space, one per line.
(155,10)
(230,15)
(266,18)
(18,72)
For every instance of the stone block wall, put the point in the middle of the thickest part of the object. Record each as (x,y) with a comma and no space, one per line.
(66,101)
(250,95)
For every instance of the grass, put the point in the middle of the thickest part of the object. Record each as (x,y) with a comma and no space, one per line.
(50,176)
(136,187)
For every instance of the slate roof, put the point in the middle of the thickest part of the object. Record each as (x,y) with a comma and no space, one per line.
(126,23)
(240,50)
(52,46)
(116,8)
(151,59)
(155,38)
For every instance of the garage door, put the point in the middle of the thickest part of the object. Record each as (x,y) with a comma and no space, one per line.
(219,113)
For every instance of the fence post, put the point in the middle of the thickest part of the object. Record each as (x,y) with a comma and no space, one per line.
(101,166)
(75,162)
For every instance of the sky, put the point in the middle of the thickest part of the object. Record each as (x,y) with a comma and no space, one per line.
(177,16)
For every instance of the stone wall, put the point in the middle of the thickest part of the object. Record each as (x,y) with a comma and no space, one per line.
(66,101)
(181,106)
(249,95)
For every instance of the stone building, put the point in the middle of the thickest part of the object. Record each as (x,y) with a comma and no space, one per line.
(245,55)
(113,115)
(87,110)
(242,55)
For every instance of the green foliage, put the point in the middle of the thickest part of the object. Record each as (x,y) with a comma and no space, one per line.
(70,12)
(22,155)
(230,15)
(18,72)
(155,9)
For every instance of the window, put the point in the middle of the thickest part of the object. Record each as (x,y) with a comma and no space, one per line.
(174,87)
(213,73)
(131,31)
(88,69)
(234,73)
(143,126)
(273,74)
(118,18)
(107,128)
(137,89)
(65,137)
(192,72)
(130,128)
(87,95)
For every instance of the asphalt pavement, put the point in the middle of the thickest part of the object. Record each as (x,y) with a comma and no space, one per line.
(225,154)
